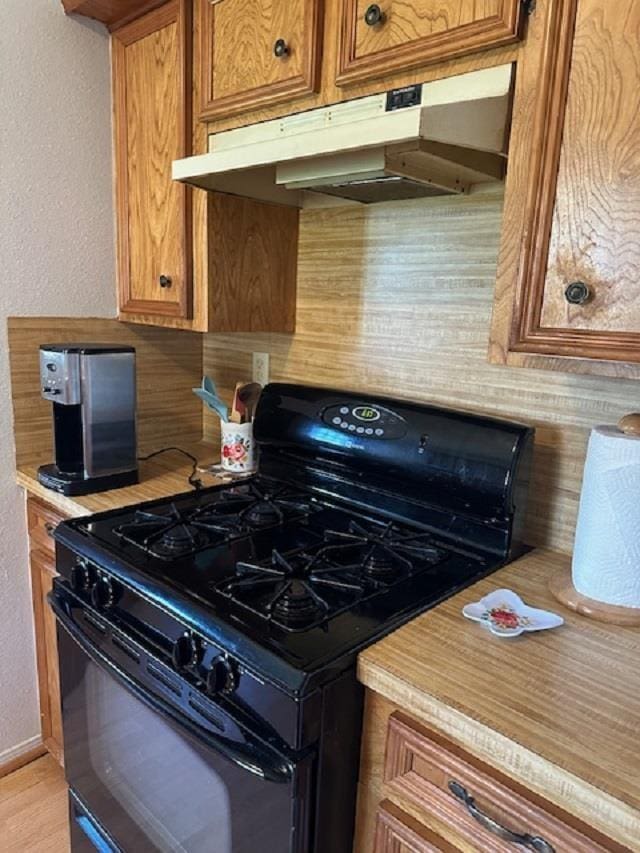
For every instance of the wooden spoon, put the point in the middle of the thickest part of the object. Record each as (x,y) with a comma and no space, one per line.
(248,396)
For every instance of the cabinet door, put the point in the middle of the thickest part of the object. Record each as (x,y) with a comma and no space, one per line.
(42,575)
(579,278)
(393,35)
(257,52)
(152,123)
(595,238)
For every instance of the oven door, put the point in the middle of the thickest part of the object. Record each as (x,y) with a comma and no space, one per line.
(159,766)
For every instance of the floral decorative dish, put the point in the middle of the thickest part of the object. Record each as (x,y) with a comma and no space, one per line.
(506,614)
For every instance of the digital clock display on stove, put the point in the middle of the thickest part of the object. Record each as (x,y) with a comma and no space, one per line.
(366,413)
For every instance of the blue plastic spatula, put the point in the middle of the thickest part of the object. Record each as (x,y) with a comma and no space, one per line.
(209,397)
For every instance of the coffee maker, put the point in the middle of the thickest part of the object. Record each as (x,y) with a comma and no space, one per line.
(93,391)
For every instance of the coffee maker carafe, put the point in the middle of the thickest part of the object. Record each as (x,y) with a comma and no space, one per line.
(93,391)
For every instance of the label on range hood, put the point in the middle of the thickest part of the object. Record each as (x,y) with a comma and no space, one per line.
(407,96)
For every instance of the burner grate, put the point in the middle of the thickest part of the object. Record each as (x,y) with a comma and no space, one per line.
(168,536)
(235,513)
(282,592)
(303,590)
(379,554)
(270,507)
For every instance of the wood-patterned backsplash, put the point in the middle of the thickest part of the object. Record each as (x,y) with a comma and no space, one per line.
(168,362)
(396,299)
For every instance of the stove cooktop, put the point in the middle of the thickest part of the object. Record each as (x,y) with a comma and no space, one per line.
(366,512)
(290,570)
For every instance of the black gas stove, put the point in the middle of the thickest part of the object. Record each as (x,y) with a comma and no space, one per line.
(252,600)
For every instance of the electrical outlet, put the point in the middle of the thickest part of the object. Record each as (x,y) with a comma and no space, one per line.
(261,368)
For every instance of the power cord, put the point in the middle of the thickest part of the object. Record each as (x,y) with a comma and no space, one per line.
(192,479)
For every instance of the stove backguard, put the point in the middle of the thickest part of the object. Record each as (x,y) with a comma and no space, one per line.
(471,468)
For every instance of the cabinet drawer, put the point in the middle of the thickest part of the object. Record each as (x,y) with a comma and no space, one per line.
(395,35)
(42,520)
(466,796)
(397,832)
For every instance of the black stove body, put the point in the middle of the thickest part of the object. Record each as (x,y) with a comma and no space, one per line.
(235,615)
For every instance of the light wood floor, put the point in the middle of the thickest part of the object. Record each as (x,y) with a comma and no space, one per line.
(33,809)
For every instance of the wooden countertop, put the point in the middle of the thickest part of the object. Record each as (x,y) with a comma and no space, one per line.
(160,477)
(558,711)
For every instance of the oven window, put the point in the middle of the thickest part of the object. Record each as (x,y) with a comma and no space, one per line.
(144,764)
(151,784)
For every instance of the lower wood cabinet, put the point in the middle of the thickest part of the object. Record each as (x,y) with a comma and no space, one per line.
(42,519)
(419,791)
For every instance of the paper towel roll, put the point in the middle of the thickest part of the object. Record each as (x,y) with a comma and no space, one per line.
(606,557)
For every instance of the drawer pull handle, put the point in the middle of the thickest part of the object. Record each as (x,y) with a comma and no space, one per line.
(533,842)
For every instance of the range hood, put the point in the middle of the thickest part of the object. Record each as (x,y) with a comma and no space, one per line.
(437,138)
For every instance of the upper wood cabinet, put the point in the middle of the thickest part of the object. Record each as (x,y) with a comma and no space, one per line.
(380,38)
(112,13)
(578,263)
(152,125)
(257,52)
(186,258)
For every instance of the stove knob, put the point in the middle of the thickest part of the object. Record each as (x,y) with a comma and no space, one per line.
(80,576)
(187,651)
(103,593)
(222,678)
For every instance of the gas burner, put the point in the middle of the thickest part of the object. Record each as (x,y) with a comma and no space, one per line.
(264,513)
(167,536)
(297,604)
(179,539)
(379,554)
(222,517)
(251,509)
(286,592)
(269,507)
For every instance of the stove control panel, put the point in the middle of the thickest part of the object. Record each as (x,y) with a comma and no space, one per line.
(365,420)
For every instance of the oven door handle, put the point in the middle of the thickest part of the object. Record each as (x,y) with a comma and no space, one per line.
(253,757)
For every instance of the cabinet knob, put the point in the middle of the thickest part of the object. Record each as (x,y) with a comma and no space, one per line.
(577,293)
(281,48)
(164,281)
(373,15)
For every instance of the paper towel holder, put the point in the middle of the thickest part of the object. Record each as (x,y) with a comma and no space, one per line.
(562,588)
(630,424)
(561,585)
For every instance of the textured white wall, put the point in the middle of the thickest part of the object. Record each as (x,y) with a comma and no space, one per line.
(56,257)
